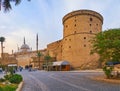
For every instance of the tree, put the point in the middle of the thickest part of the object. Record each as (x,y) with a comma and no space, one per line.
(47,58)
(2,39)
(39,54)
(107,45)
(6,4)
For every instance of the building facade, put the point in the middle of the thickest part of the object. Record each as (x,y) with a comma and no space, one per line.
(8,59)
(78,28)
(54,50)
(25,56)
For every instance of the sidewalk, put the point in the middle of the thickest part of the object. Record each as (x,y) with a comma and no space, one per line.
(104,79)
(96,70)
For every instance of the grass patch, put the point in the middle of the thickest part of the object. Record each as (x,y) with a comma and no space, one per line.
(8,87)
(10,82)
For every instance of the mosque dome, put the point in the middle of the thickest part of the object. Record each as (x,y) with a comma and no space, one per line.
(25,46)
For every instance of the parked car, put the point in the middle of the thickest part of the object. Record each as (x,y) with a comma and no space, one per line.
(110,63)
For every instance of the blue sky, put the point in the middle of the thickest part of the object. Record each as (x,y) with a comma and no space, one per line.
(45,18)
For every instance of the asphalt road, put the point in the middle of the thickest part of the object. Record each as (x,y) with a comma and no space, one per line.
(65,81)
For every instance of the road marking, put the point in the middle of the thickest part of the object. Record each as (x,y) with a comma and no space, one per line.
(93,84)
(41,84)
(73,85)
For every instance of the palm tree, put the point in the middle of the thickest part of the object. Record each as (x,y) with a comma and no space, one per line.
(6,4)
(47,58)
(2,39)
(39,54)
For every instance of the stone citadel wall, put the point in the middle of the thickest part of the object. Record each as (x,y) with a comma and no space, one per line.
(78,28)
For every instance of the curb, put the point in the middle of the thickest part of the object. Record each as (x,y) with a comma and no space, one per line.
(103,79)
(87,71)
(20,86)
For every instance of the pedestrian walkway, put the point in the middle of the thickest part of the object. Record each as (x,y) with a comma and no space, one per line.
(96,70)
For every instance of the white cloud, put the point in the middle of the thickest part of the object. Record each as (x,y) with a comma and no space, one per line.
(45,18)
(16,38)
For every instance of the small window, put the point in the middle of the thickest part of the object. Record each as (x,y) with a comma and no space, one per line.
(69,46)
(91,19)
(66,26)
(90,31)
(96,24)
(75,20)
(75,25)
(65,39)
(84,45)
(69,39)
(90,24)
(84,37)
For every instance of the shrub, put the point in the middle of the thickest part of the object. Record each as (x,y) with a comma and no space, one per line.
(0,88)
(108,70)
(3,66)
(11,70)
(2,79)
(16,78)
(8,88)
(7,77)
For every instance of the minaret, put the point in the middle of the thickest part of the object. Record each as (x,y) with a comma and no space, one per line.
(24,40)
(37,43)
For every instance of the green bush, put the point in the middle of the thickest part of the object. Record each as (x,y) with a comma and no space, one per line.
(2,79)
(7,77)
(0,88)
(16,78)
(11,70)
(108,70)
(3,66)
(8,88)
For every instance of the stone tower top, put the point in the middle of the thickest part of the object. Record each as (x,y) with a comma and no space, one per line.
(83,12)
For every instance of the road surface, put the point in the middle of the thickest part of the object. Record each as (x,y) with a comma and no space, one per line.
(64,81)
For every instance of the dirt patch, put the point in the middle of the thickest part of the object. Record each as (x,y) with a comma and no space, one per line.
(104,79)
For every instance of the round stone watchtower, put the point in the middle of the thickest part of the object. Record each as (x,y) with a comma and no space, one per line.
(79,27)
